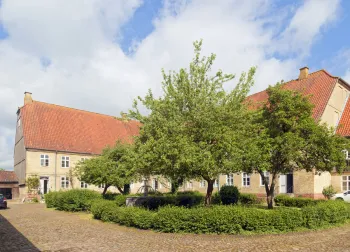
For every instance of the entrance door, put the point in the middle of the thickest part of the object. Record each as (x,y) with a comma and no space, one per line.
(44,185)
(283,183)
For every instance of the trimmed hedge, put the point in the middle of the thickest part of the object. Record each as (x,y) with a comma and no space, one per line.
(229,195)
(72,200)
(284,200)
(223,219)
(248,199)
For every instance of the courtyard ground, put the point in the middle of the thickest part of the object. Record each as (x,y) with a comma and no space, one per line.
(32,227)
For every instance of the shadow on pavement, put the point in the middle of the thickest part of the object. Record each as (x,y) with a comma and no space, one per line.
(11,239)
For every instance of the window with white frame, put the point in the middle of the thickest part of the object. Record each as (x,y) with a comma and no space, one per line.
(216,182)
(267,176)
(83,184)
(101,186)
(345,183)
(44,160)
(83,159)
(229,179)
(155,184)
(189,184)
(65,162)
(64,182)
(245,179)
(202,183)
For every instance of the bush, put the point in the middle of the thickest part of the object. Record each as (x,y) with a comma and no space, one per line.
(229,195)
(120,200)
(111,196)
(248,199)
(73,200)
(215,199)
(328,192)
(284,200)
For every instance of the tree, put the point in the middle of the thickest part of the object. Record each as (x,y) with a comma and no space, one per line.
(283,137)
(33,183)
(109,169)
(193,129)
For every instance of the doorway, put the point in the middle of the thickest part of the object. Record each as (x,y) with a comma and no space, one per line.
(286,183)
(44,185)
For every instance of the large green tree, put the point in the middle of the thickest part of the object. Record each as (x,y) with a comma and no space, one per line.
(193,130)
(111,168)
(284,137)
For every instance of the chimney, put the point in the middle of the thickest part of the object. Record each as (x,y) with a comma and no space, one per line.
(28,98)
(304,72)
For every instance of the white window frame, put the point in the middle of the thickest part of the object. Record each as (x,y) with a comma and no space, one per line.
(65,162)
(346,152)
(347,181)
(246,179)
(43,159)
(229,179)
(83,185)
(155,183)
(190,184)
(102,186)
(266,174)
(216,183)
(202,183)
(65,183)
(83,159)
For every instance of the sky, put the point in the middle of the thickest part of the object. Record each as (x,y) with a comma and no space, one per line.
(99,55)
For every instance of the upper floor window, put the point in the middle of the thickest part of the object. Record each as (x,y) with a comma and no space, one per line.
(65,162)
(229,179)
(83,184)
(44,160)
(347,154)
(267,177)
(64,182)
(245,179)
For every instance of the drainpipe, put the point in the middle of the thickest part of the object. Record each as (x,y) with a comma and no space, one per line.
(55,171)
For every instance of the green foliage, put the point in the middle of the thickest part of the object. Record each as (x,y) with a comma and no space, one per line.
(193,130)
(111,168)
(284,200)
(283,137)
(35,200)
(120,200)
(73,200)
(216,200)
(328,192)
(229,195)
(110,196)
(33,183)
(248,199)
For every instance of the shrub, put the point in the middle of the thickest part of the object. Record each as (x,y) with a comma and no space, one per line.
(120,200)
(73,200)
(328,192)
(284,200)
(215,199)
(111,196)
(248,199)
(229,195)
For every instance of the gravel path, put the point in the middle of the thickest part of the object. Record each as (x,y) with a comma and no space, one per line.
(32,227)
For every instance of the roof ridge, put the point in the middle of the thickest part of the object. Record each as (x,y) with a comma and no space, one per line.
(82,110)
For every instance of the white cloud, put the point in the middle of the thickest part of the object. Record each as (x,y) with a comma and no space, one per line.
(89,70)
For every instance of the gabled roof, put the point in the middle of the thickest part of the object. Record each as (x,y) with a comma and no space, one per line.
(52,127)
(319,85)
(8,177)
(344,123)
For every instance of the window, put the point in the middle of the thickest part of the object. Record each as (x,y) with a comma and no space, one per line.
(202,183)
(64,182)
(101,186)
(229,179)
(189,184)
(83,184)
(65,162)
(44,160)
(346,153)
(216,182)
(267,176)
(83,159)
(345,183)
(155,184)
(245,179)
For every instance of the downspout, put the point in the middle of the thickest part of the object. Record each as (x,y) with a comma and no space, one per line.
(56,170)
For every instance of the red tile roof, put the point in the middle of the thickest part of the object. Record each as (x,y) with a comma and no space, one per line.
(52,127)
(344,123)
(8,176)
(319,85)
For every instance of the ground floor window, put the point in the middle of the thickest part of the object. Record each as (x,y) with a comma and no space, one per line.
(245,179)
(189,184)
(155,184)
(64,182)
(202,183)
(267,176)
(346,183)
(83,184)
(229,179)
(216,182)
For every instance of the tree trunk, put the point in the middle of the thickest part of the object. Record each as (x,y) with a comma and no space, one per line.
(126,189)
(270,191)
(105,190)
(174,187)
(209,192)
(120,189)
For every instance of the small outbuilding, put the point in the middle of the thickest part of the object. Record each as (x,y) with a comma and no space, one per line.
(9,184)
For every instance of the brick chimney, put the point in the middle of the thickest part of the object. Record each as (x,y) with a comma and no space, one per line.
(304,72)
(28,98)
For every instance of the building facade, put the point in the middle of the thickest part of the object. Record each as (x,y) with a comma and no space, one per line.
(51,139)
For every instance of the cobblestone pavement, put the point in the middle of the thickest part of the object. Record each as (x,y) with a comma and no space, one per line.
(32,227)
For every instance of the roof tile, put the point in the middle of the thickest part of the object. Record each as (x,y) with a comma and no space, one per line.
(8,176)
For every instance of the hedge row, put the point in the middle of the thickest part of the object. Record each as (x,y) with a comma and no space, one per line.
(284,200)
(223,219)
